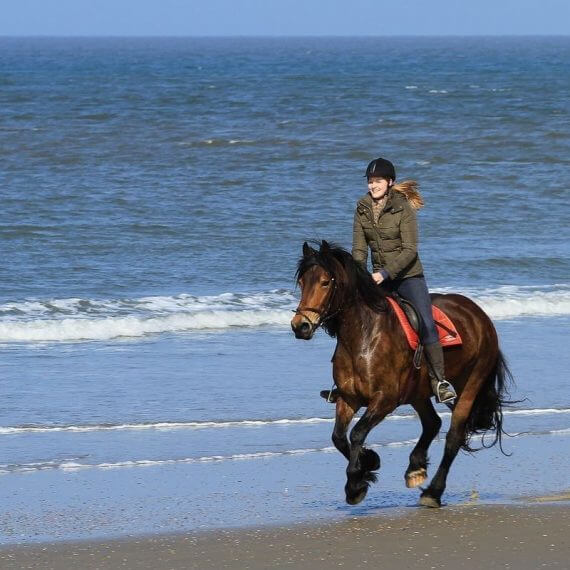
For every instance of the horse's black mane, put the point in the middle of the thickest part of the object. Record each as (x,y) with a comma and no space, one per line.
(356,283)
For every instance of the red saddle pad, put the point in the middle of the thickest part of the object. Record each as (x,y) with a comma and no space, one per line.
(448,335)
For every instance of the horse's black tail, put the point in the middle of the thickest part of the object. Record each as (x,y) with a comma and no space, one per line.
(487,412)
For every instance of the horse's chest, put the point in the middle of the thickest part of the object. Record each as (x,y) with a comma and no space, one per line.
(353,377)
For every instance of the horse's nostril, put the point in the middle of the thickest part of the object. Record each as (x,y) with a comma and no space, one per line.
(305,328)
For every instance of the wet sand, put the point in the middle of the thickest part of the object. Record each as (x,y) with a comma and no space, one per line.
(469,536)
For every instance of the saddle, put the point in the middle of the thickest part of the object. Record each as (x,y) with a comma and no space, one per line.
(410,322)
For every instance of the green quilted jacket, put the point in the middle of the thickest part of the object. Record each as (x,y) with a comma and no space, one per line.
(393,238)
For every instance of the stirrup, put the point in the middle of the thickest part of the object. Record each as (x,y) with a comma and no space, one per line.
(331,396)
(445,385)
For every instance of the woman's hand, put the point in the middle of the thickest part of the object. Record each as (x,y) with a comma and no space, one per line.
(377,278)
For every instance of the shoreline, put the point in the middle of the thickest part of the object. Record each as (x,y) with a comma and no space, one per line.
(525,536)
(108,505)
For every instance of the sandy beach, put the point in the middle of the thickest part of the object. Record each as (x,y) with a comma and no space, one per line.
(470,536)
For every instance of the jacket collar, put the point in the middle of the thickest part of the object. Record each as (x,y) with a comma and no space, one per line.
(394,200)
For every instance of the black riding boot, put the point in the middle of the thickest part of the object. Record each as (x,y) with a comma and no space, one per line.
(443,390)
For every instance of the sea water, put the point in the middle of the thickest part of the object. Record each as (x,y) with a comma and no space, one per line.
(154,198)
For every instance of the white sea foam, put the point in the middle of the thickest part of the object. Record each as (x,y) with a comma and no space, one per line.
(537,304)
(162,426)
(537,412)
(75,465)
(116,327)
(145,306)
(246,423)
(510,301)
(76,319)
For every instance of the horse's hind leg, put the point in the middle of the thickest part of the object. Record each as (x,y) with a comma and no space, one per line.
(416,473)
(455,438)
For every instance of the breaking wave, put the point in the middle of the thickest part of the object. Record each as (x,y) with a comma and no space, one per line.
(75,319)
(74,464)
(246,423)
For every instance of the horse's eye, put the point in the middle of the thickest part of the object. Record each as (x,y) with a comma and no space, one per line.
(325,283)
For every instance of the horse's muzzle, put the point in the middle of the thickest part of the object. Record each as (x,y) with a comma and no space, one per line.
(302,328)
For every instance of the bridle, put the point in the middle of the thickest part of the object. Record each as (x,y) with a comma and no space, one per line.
(319,312)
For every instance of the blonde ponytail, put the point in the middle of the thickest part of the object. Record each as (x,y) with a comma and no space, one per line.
(410,189)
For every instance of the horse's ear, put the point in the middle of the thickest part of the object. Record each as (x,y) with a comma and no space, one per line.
(308,250)
(325,245)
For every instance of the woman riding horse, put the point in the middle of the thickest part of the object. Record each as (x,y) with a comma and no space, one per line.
(373,367)
(385,222)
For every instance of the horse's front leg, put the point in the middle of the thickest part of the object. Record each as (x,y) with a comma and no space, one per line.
(362,462)
(344,413)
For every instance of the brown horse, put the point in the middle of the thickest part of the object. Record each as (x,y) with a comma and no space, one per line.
(372,368)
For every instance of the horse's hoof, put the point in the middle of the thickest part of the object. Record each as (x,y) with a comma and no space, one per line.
(415,478)
(430,502)
(357,498)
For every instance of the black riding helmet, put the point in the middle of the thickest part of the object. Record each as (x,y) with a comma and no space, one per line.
(381,168)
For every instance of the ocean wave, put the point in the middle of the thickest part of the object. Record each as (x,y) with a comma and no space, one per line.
(116,327)
(75,465)
(77,319)
(217,142)
(143,306)
(510,301)
(159,426)
(245,423)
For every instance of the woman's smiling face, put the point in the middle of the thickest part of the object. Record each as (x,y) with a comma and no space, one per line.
(377,187)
